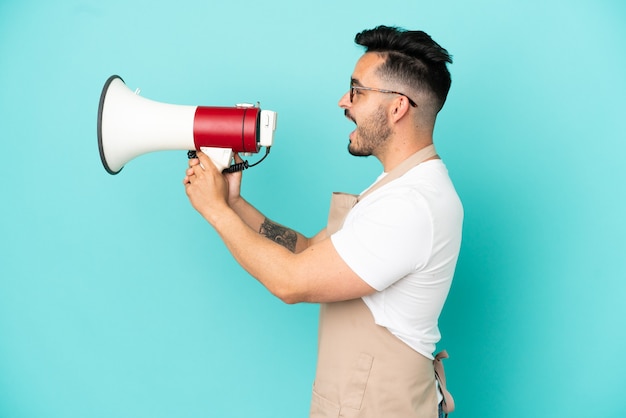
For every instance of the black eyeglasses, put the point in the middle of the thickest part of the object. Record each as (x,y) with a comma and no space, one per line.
(353,90)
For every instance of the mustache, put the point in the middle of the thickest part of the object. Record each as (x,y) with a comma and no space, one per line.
(348,115)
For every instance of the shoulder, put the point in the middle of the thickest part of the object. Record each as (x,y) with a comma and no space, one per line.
(418,186)
(419,196)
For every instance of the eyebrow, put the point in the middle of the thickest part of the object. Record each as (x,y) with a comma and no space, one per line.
(355,82)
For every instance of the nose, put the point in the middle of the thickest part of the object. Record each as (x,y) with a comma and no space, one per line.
(344,102)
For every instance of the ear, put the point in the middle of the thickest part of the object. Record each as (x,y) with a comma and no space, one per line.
(400,107)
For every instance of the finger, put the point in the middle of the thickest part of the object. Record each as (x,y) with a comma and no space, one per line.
(193,161)
(238,159)
(205,162)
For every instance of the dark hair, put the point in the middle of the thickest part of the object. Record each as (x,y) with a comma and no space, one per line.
(412,58)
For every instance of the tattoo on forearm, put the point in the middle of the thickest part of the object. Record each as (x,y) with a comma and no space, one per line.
(279,234)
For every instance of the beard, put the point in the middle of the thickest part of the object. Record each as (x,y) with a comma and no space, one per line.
(370,134)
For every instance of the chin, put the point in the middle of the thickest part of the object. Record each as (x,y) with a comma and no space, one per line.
(357,152)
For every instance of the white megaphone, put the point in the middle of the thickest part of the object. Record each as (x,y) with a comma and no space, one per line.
(130,125)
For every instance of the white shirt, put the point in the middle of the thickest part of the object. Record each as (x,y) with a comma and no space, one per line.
(403,240)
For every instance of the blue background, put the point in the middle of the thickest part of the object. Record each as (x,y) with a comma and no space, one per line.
(118,300)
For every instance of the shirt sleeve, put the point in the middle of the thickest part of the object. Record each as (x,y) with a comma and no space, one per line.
(388,238)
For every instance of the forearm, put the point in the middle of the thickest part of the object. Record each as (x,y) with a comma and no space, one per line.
(252,217)
(248,213)
(269,261)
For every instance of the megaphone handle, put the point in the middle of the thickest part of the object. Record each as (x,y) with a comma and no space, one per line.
(221,157)
(233,168)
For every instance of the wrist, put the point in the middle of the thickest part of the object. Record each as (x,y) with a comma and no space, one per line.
(236,202)
(216,215)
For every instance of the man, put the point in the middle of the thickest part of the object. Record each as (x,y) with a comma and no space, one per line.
(383,267)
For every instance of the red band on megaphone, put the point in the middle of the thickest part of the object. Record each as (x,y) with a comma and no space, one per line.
(226,127)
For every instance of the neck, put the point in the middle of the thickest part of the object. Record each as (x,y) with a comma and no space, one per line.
(395,153)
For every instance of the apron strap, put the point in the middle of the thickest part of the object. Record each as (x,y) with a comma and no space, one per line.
(440,375)
(402,168)
(341,203)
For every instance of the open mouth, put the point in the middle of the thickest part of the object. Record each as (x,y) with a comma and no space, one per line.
(349,116)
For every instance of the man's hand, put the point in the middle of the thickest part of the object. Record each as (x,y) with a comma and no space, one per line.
(206,188)
(234,183)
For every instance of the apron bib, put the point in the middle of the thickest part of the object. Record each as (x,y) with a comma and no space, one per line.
(363,370)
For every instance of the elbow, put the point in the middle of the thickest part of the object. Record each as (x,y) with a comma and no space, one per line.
(290,300)
(290,283)
(290,293)
(288,296)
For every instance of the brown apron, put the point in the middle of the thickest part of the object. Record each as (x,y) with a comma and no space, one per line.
(363,370)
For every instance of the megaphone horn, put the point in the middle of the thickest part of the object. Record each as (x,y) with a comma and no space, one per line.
(130,125)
